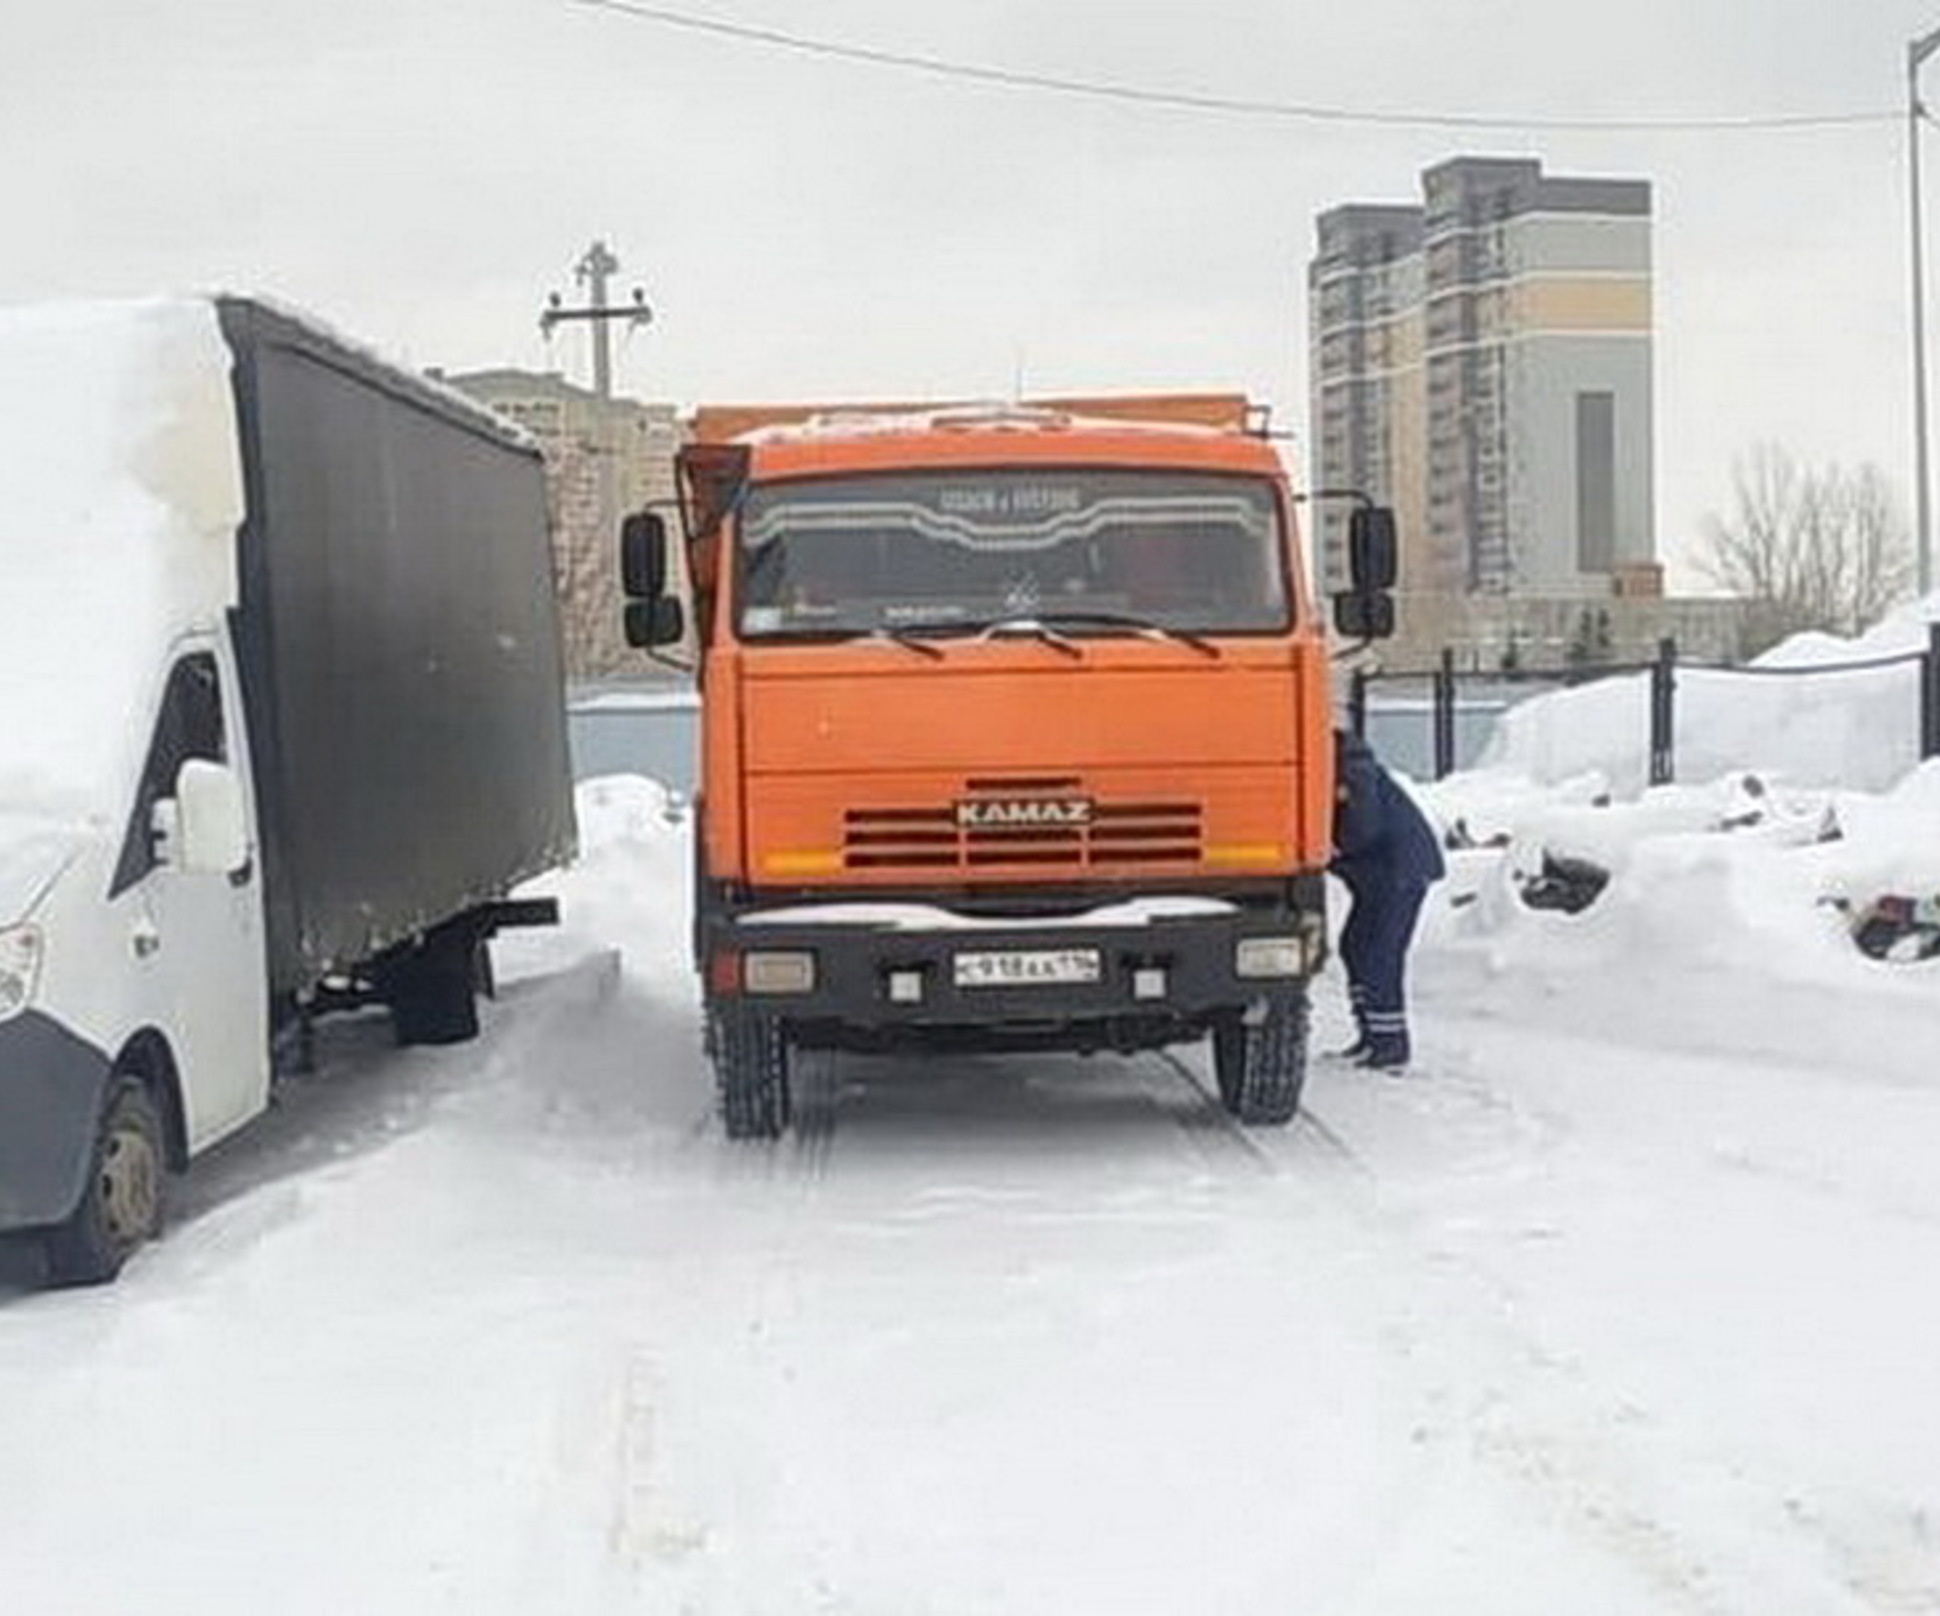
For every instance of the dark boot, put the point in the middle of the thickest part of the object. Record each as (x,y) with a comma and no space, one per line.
(1385,1052)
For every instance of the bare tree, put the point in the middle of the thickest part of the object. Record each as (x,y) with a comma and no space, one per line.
(1810,547)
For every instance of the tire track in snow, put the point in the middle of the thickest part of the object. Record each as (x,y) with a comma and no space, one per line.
(645,1532)
(1515,1407)
(1219,1139)
(817,1092)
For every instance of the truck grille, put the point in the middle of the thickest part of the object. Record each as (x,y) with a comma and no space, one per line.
(994,824)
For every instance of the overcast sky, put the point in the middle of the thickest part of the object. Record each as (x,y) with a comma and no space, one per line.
(423,172)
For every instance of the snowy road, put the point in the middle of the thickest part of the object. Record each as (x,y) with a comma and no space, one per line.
(1568,1321)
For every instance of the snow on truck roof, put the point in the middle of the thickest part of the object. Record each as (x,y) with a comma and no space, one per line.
(129,324)
(123,493)
(876,440)
(1222,412)
(120,472)
(431,388)
(984,418)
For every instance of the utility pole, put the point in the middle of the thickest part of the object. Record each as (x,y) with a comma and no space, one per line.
(593,271)
(591,589)
(1916,53)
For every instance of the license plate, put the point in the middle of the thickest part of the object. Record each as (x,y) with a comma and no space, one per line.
(1027,967)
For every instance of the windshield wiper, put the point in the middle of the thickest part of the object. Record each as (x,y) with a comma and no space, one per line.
(902,637)
(1140,625)
(1034,626)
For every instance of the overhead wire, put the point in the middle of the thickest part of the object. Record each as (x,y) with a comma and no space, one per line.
(1196,101)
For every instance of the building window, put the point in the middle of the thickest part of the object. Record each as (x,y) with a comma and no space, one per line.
(1596,481)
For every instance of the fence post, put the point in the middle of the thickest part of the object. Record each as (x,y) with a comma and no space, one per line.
(1930,695)
(1445,715)
(1663,714)
(1357,703)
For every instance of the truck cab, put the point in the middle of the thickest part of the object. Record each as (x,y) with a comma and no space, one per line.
(1016,734)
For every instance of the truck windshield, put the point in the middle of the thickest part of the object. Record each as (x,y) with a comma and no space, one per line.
(953,552)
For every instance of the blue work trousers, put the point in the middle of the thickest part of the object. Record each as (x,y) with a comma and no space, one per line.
(1374,948)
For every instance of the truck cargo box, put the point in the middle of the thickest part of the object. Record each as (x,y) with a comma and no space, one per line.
(399,645)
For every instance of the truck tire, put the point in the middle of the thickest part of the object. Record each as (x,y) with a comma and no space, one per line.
(1262,1067)
(433,993)
(124,1201)
(751,1069)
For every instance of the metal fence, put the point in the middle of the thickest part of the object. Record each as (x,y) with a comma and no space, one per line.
(1445,702)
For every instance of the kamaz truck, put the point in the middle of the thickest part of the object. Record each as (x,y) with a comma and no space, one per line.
(1016,735)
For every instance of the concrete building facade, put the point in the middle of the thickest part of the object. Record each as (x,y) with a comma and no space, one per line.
(1482,362)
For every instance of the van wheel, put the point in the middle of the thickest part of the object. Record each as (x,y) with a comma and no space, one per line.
(433,992)
(751,1062)
(124,1200)
(1262,1067)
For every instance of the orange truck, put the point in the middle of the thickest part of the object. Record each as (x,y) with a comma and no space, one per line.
(1016,734)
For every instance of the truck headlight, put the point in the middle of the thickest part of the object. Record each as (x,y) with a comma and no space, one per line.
(778,971)
(20,952)
(1258,958)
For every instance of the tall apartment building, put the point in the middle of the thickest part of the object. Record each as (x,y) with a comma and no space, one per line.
(1482,362)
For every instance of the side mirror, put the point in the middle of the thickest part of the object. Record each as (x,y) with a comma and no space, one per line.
(210,835)
(655,622)
(1372,550)
(643,555)
(1359,615)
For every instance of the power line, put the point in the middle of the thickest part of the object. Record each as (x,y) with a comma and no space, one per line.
(1145,95)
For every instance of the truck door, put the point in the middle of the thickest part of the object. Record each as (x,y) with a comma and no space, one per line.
(197,937)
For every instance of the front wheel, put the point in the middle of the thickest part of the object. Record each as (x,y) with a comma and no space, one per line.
(122,1204)
(751,1068)
(1262,1065)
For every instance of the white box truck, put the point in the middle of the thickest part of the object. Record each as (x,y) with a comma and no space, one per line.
(281,729)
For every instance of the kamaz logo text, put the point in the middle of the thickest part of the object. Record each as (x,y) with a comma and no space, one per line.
(994,813)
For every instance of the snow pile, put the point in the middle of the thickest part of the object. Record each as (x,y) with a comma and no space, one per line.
(1902,632)
(1857,728)
(1888,844)
(1609,834)
(1726,913)
(632,874)
(1727,920)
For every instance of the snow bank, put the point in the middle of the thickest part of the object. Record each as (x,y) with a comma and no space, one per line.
(1805,803)
(632,874)
(1858,729)
(1726,923)
(1901,632)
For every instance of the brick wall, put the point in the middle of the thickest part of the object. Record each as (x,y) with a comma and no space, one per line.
(604,458)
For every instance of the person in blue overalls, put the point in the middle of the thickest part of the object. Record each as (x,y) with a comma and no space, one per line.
(1387,855)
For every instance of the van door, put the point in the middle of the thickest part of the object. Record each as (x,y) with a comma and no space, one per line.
(197,938)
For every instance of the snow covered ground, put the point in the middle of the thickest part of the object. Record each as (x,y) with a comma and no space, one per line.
(1624,1301)
(1618,1304)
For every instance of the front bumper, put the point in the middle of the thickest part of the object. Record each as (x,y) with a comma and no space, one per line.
(1167,975)
(51,1088)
